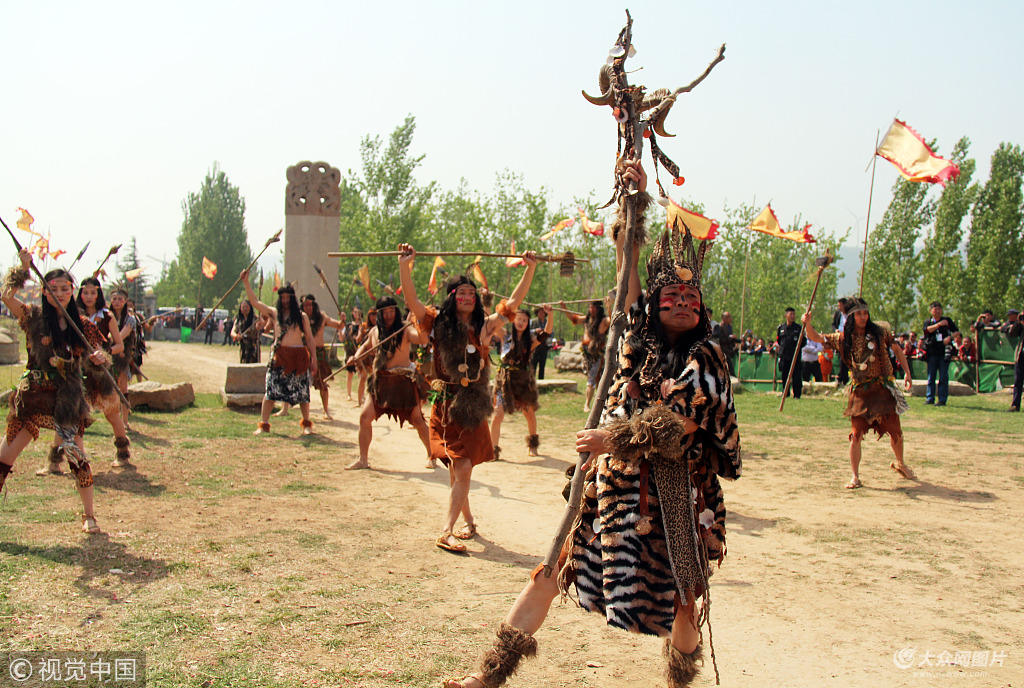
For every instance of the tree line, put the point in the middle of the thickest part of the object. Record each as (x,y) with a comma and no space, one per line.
(917,252)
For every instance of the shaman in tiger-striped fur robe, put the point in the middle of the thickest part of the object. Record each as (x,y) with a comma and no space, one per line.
(623,559)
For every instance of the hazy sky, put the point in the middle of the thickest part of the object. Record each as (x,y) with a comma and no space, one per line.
(115,111)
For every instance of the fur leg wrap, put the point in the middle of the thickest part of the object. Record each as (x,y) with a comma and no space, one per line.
(681,667)
(306,424)
(532,442)
(497,453)
(79,465)
(122,445)
(502,660)
(56,457)
(265,427)
(5,470)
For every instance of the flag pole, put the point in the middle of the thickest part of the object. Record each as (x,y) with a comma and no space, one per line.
(823,263)
(743,295)
(867,224)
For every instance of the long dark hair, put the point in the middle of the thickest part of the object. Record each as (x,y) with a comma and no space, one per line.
(293,318)
(522,345)
(66,337)
(851,325)
(124,311)
(447,323)
(671,357)
(317,318)
(389,346)
(593,324)
(243,322)
(101,302)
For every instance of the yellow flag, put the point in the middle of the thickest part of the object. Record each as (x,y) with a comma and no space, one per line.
(478,274)
(905,149)
(209,268)
(767,223)
(25,222)
(364,278)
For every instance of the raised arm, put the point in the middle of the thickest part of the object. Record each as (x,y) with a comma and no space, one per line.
(408,288)
(495,320)
(634,172)
(255,302)
(809,330)
(16,307)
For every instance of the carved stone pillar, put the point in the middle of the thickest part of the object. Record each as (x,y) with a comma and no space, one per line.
(312,208)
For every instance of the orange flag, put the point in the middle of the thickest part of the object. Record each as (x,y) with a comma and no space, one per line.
(277,280)
(41,247)
(209,268)
(57,254)
(478,273)
(904,148)
(590,226)
(364,278)
(700,226)
(133,275)
(514,262)
(567,222)
(432,285)
(767,223)
(25,222)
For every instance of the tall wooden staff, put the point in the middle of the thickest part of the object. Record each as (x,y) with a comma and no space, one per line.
(623,98)
(271,240)
(67,318)
(822,263)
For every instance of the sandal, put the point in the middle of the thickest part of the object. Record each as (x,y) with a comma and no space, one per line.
(462,681)
(903,470)
(854,484)
(89,525)
(466,532)
(442,542)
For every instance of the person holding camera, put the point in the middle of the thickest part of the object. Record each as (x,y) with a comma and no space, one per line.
(938,330)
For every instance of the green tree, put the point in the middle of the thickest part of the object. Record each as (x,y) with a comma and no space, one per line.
(780,274)
(995,248)
(941,259)
(130,261)
(382,205)
(891,270)
(214,227)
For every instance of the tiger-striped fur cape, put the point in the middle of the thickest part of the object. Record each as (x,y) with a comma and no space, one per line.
(624,561)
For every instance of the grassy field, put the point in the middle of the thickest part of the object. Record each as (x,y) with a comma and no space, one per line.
(233,561)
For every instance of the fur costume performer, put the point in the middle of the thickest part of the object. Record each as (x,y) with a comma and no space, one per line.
(393,391)
(51,393)
(653,516)
(515,386)
(458,419)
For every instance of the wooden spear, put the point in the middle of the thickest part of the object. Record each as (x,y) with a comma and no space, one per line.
(67,318)
(626,104)
(80,254)
(567,261)
(113,251)
(371,349)
(271,240)
(539,305)
(822,263)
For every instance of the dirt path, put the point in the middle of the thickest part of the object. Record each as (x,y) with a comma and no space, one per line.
(330,577)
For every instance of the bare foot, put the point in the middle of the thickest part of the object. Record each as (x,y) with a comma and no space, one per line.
(431,463)
(50,469)
(327,415)
(466,682)
(532,452)
(357,464)
(261,430)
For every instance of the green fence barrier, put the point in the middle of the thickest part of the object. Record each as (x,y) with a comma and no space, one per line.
(186,334)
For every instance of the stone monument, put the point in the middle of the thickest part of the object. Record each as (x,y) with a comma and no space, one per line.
(312,208)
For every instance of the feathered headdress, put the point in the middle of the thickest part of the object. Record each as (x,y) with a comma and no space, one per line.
(685,267)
